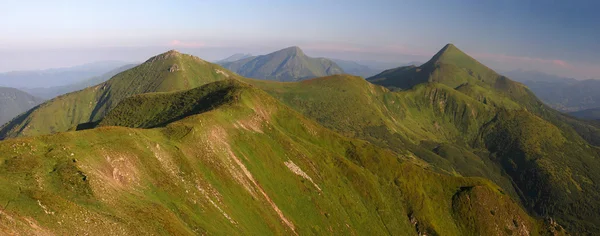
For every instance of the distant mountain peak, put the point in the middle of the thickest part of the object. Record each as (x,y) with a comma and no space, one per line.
(294,50)
(171,53)
(288,64)
(174,54)
(449,66)
(166,55)
(447,52)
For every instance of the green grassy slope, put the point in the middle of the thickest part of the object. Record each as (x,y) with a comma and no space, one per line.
(449,128)
(289,64)
(170,71)
(248,166)
(14,102)
(544,193)
(433,121)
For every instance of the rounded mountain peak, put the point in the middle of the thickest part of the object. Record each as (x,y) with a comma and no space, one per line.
(166,55)
(294,50)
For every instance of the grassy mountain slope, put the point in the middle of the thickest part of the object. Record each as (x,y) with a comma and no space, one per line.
(458,70)
(170,71)
(445,115)
(433,121)
(14,102)
(289,64)
(250,165)
(453,68)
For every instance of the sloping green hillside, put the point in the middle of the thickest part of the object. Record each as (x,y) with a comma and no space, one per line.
(445,120)
(14,102)
(433,121)
(170,71)
(248,166)
(289,64)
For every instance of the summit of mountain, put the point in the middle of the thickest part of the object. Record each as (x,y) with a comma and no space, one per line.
(462,117)
(169,71)
(288,64)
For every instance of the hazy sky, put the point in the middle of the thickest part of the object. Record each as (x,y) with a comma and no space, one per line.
(558,37)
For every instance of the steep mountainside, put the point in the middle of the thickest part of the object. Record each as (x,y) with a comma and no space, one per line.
(465,119)
(14,102)
(289,64)
(563,94)
(248,165)
(51,92)
(170,71)
(458,70)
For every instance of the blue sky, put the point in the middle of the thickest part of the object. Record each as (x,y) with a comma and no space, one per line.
(558,37)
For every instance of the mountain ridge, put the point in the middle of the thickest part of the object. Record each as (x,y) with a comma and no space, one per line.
(168,71)
(212,172)
(288,64)
(458,118)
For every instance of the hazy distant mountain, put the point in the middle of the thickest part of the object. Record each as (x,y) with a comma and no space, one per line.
(52,92)
(564,94)
(354,68)
(14,102)
(289,64)
(384,65)
(235,57)
(57,76)
(368,68)
(529,75)
(588,114)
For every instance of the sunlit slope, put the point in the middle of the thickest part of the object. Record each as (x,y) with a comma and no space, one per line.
(454,68)
(451,131)
(170,71)
(248,165)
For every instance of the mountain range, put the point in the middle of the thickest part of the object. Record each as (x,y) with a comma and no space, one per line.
(563,94)
(51,92)
(57,76)
(289,64)
(14,102)
(178,145)
(354,68)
